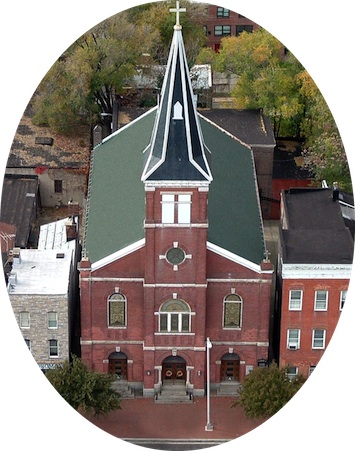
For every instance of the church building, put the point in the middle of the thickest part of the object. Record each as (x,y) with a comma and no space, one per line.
(174,253)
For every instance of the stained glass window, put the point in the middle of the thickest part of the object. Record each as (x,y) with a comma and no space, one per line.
(232,311)
(117,310)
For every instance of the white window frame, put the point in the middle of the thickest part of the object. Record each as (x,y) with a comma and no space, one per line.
(293,341)
(292,374)
(292,302)
(53,356)
(179,313)
(314,338)
(176,208)
(317,308)
(343,295)
(25,320)
(55,319)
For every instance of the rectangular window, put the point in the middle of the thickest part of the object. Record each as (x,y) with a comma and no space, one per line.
(24,320)
(52,320)
(58,186)
(53,348)
(293,339)
(222,12)
(222,30)
(342,298)
(321,300)
(184,208)
(292,372)
(295,300)
(311,369)
(241,28)
(176,209)
(163,322)
(318,340)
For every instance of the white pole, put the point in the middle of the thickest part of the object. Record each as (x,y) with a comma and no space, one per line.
(208,426)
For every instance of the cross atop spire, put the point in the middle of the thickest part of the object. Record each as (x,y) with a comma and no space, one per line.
(177,10)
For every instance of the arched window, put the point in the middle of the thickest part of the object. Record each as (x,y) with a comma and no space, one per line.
(117,316)
(232,311)
(174,316)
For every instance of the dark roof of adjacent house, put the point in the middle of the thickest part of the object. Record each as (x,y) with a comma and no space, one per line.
(116,204)
(18,205)
(316,231)
(250,126)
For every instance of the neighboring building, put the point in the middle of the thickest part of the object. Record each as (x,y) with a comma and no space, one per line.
(174,250)
(20,202)
(60,163)
(315,267)
(223,22)
(255,129)
(43,291)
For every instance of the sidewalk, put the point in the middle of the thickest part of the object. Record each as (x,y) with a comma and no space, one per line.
(143,418)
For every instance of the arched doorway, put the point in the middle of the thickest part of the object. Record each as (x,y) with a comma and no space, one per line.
(118,365)
(174,369)
(230,364)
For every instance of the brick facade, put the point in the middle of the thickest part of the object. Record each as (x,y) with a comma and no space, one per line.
(147,280)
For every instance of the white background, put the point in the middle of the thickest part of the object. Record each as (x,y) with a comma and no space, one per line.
(33,34)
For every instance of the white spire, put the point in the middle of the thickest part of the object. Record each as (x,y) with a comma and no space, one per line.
(177,10)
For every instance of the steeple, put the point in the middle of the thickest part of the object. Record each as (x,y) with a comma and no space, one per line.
(177,151)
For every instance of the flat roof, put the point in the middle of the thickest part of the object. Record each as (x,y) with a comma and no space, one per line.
(43,272)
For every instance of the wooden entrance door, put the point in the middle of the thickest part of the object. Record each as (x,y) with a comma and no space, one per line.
(174,369)
(118,365)
(230,367)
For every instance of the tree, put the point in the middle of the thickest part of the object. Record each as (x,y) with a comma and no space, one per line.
(266,77)
(324,151)
(90,76)
(91,391)
(266,390)
(278,84)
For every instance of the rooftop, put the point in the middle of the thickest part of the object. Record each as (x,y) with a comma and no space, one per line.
(43,271)
(314,228)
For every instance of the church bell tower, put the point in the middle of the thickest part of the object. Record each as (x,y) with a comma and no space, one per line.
(176,176)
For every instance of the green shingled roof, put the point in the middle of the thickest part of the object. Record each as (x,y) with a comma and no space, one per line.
(115,217)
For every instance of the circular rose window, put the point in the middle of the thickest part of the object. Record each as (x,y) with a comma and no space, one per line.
(175,255)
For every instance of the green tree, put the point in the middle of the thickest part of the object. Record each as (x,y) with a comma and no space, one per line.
(266,78)
(266,390)
(324,151)
(91,391)
(88,78)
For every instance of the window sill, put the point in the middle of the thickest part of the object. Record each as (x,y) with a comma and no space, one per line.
(174,333)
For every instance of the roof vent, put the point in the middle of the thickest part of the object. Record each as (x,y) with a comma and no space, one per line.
(12,280)
(60,255)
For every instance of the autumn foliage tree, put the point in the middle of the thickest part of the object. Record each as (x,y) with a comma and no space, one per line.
(272,79)
(266,390)
(87,390)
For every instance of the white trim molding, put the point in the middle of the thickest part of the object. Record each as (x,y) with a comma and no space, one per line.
(316,271)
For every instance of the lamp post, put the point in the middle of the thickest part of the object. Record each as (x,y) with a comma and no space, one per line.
(208,426)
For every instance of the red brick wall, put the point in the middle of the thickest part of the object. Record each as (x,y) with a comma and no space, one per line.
(308,319)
